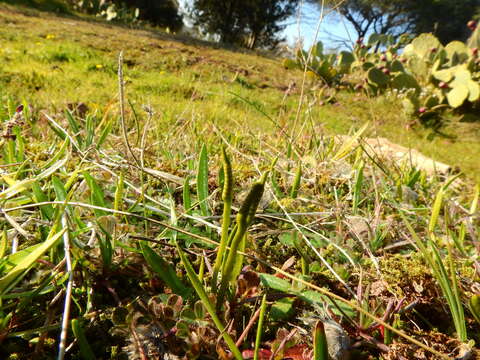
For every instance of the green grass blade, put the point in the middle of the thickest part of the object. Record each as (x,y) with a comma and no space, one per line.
(90,131)
(238,263)
(447,284)
(75,127)
(15,187)
(86,351)
(53,168)
(166,272)
(244,218)
(103,136)
(437,205)
(3,244)
(475,307)
(350,144)
(187,198)
(19,145)
(202,181)
(261,317)
(97,197)
(320,347)
(357,189)
(118,199)
(10,152)
(59,189)
(15,274)
(276,188)
(296,182)
(57,155)
(39,196)
(227,197)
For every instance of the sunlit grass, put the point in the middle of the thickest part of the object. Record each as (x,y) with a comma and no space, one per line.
(147,196)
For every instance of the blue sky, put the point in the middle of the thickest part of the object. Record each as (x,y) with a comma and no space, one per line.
(332,30)
(332,27)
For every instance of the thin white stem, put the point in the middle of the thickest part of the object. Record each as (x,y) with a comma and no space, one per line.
(68,293)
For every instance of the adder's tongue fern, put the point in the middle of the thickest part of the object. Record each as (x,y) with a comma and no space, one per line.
(227,210)
(250,205)
(244,219)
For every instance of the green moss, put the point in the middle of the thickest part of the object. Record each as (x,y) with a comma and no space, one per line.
(401,272)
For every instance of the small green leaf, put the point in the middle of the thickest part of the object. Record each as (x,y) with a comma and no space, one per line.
(275,283)
(313,297)
(202,181)
(282,309)
(164,270)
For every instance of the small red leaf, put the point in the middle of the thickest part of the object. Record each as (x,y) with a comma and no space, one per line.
(263,354)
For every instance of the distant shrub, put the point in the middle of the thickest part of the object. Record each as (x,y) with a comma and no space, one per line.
(163,13)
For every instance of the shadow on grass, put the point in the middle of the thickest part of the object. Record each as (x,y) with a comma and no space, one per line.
(54,6)
(60,8)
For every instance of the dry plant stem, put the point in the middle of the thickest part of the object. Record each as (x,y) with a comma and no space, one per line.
(263,262)
(283,343)
(68,294)
(121,99)
(142,165)
(248,327)
(138,344)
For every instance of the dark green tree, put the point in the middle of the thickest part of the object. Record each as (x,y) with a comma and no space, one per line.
(445,18)
(162,13)
(251,23)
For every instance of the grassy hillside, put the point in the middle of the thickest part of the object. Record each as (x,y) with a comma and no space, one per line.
(200,208)
(50,61)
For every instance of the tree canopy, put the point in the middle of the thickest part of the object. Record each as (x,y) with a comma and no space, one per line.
(158,12)
(445,18)
(252,23)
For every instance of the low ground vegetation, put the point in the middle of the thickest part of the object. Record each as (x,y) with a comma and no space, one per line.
(181,201)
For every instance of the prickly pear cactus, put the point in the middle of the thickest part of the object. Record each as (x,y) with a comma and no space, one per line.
(404,81)
(419,68)
(397,66)
(345,61)
(457,96)
(424,46)
(444,75)
(457,52)
(411,103)
(463,87)
(376,77)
